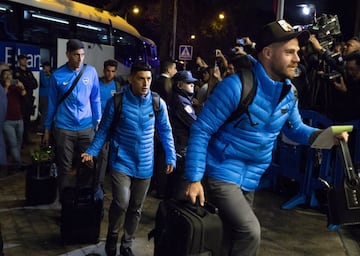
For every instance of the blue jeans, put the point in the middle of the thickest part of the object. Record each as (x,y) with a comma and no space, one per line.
(125,210)
(238,217)
(13,133)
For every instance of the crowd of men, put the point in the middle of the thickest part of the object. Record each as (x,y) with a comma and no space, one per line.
(187,128)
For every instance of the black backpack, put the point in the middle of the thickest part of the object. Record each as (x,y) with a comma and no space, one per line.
(118,108)
(247,94)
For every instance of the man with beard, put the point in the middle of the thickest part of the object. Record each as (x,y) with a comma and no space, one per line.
(231,156)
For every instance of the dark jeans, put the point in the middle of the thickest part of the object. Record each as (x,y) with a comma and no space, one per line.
(102,162)
(125,210)
(237,215)
(69,146)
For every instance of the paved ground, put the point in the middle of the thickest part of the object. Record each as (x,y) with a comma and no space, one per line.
(298,232)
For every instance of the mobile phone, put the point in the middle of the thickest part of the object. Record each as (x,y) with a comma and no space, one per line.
(240,41)
(14,81)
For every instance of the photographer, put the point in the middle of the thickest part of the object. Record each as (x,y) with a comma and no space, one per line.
(13,125)
(326,55)
(347,105)
(351,46)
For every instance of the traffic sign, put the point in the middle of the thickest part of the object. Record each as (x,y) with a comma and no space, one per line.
(185,52)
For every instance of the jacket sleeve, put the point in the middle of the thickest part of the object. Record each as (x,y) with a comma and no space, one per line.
(95,98)
(165,133)
(296,130)
(52,103)
(104,127)
(217,109)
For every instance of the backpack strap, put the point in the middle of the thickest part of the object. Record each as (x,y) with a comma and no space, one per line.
(247,94)
(68,92)
(117,111)
(119,86)
(155,102)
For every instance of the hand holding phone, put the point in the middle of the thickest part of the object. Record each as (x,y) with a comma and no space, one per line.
(14,81)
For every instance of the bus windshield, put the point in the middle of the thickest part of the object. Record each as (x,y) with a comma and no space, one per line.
(42,23)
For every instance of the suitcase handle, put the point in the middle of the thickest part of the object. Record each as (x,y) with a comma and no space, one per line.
(201,210)
(91,167)
(351,175)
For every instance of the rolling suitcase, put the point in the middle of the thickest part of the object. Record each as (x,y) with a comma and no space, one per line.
(41,178)
(344,200)
(182,229)
(82,208)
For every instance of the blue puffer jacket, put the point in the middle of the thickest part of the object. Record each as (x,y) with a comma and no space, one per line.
(132,144)
(238,152)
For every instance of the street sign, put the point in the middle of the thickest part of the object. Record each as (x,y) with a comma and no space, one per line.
(185,52)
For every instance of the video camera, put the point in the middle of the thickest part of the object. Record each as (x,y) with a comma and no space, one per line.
(326,28)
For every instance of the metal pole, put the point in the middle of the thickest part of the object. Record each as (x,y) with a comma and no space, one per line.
(174,30)
(280,9)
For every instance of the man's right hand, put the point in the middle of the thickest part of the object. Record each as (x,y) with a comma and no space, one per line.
(86,158)
(194,190)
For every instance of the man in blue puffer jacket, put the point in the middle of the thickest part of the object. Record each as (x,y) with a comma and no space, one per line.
(234,155)
(132,154)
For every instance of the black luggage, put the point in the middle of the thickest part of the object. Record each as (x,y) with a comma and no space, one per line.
(344,200)
(82,208)
(182,229)
(41,178)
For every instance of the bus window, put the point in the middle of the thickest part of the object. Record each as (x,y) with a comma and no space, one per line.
(8,22)
(96,33)
(39,25)
(125,47)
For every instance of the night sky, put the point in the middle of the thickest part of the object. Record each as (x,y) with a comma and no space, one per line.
(242,18)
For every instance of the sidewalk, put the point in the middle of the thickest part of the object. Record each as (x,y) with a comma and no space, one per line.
(297,232)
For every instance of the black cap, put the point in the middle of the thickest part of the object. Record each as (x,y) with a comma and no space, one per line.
(280,31)
(73,45)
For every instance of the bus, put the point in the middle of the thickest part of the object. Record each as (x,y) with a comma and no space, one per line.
(41,28)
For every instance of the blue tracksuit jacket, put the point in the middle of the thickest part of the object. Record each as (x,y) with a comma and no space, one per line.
(81,109)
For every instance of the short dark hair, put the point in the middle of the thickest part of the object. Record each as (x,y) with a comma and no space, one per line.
(166,64)
(139,66)
(73,45)
(46,63)
(111,63)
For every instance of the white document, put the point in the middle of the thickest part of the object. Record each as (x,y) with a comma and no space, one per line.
(325,140)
